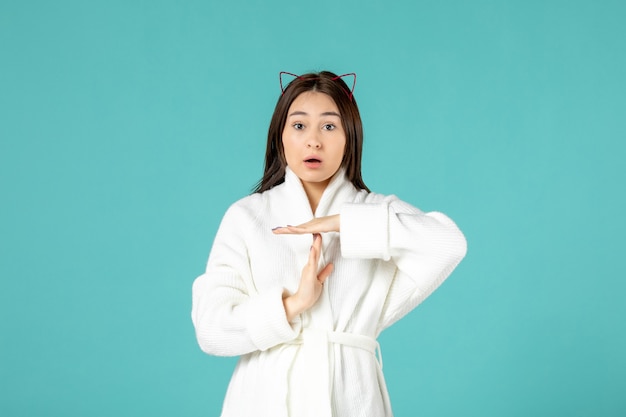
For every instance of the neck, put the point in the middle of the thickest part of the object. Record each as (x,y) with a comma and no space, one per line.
(314,191)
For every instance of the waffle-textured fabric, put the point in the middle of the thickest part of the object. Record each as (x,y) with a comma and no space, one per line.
(388,257)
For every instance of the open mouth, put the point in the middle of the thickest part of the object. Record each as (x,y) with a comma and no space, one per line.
(313,162)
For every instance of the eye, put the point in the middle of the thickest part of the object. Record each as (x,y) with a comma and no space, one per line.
(298,126)
(329,126)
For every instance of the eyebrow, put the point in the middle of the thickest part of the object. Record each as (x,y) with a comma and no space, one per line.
(326,113)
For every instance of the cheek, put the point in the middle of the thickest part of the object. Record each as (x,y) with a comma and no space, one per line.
(287,149)
(286,146)
(284,139)
(341,149)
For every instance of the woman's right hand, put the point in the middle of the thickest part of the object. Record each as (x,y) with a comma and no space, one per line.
(311,283)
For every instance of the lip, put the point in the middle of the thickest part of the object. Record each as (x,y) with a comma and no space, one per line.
(306,158)
(312,161)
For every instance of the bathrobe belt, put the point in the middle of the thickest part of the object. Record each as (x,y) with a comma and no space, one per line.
(310,394)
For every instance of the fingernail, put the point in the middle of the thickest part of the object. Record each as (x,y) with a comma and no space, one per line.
(277,227)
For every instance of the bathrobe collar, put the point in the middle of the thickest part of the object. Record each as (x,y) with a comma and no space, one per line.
(338,191)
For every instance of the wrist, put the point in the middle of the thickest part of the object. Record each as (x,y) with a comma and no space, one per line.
(336,223)
(293,306)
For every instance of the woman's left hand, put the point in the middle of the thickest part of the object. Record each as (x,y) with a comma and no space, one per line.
(317,225)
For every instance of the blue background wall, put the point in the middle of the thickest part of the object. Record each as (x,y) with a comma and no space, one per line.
(128,127)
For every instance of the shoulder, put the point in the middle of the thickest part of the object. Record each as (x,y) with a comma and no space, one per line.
(373,198)
(246,208)
(253,206)
(390,200)
(239,217)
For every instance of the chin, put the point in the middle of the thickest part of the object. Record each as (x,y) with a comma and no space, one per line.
(316,177)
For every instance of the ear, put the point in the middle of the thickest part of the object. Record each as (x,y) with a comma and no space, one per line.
(280,78)
(351,74)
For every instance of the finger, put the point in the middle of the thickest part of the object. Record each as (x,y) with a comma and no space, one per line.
(282,230)
(316,248)
(313,226)
(316,225)
(289,230)
(317,241)
(325,273)
(313,255)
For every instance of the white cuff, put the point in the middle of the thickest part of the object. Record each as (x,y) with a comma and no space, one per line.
(364,231)
(267,322)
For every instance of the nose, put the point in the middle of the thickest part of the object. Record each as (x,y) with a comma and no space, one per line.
(313,141)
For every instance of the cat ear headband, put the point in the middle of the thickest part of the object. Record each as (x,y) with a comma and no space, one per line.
(351,74)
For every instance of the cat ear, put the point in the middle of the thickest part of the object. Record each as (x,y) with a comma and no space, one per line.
(284,84)
(350,74)
(280,78)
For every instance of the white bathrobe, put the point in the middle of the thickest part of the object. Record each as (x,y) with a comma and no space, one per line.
(388,257)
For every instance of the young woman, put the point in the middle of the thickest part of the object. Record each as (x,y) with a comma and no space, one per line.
(305,273)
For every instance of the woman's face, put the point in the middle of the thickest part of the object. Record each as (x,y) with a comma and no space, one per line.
(313,138)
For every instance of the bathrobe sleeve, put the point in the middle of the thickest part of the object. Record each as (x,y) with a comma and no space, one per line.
(230,317)
(425,248)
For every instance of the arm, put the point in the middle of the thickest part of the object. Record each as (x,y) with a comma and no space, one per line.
(311,283)
(229,316)
(425,248)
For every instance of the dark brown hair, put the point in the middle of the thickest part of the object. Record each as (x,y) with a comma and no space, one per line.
(323,82)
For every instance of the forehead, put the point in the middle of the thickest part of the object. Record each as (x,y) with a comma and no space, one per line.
(313,102)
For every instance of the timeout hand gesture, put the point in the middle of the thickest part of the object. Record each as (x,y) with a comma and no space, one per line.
(312,280)
(317,225)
